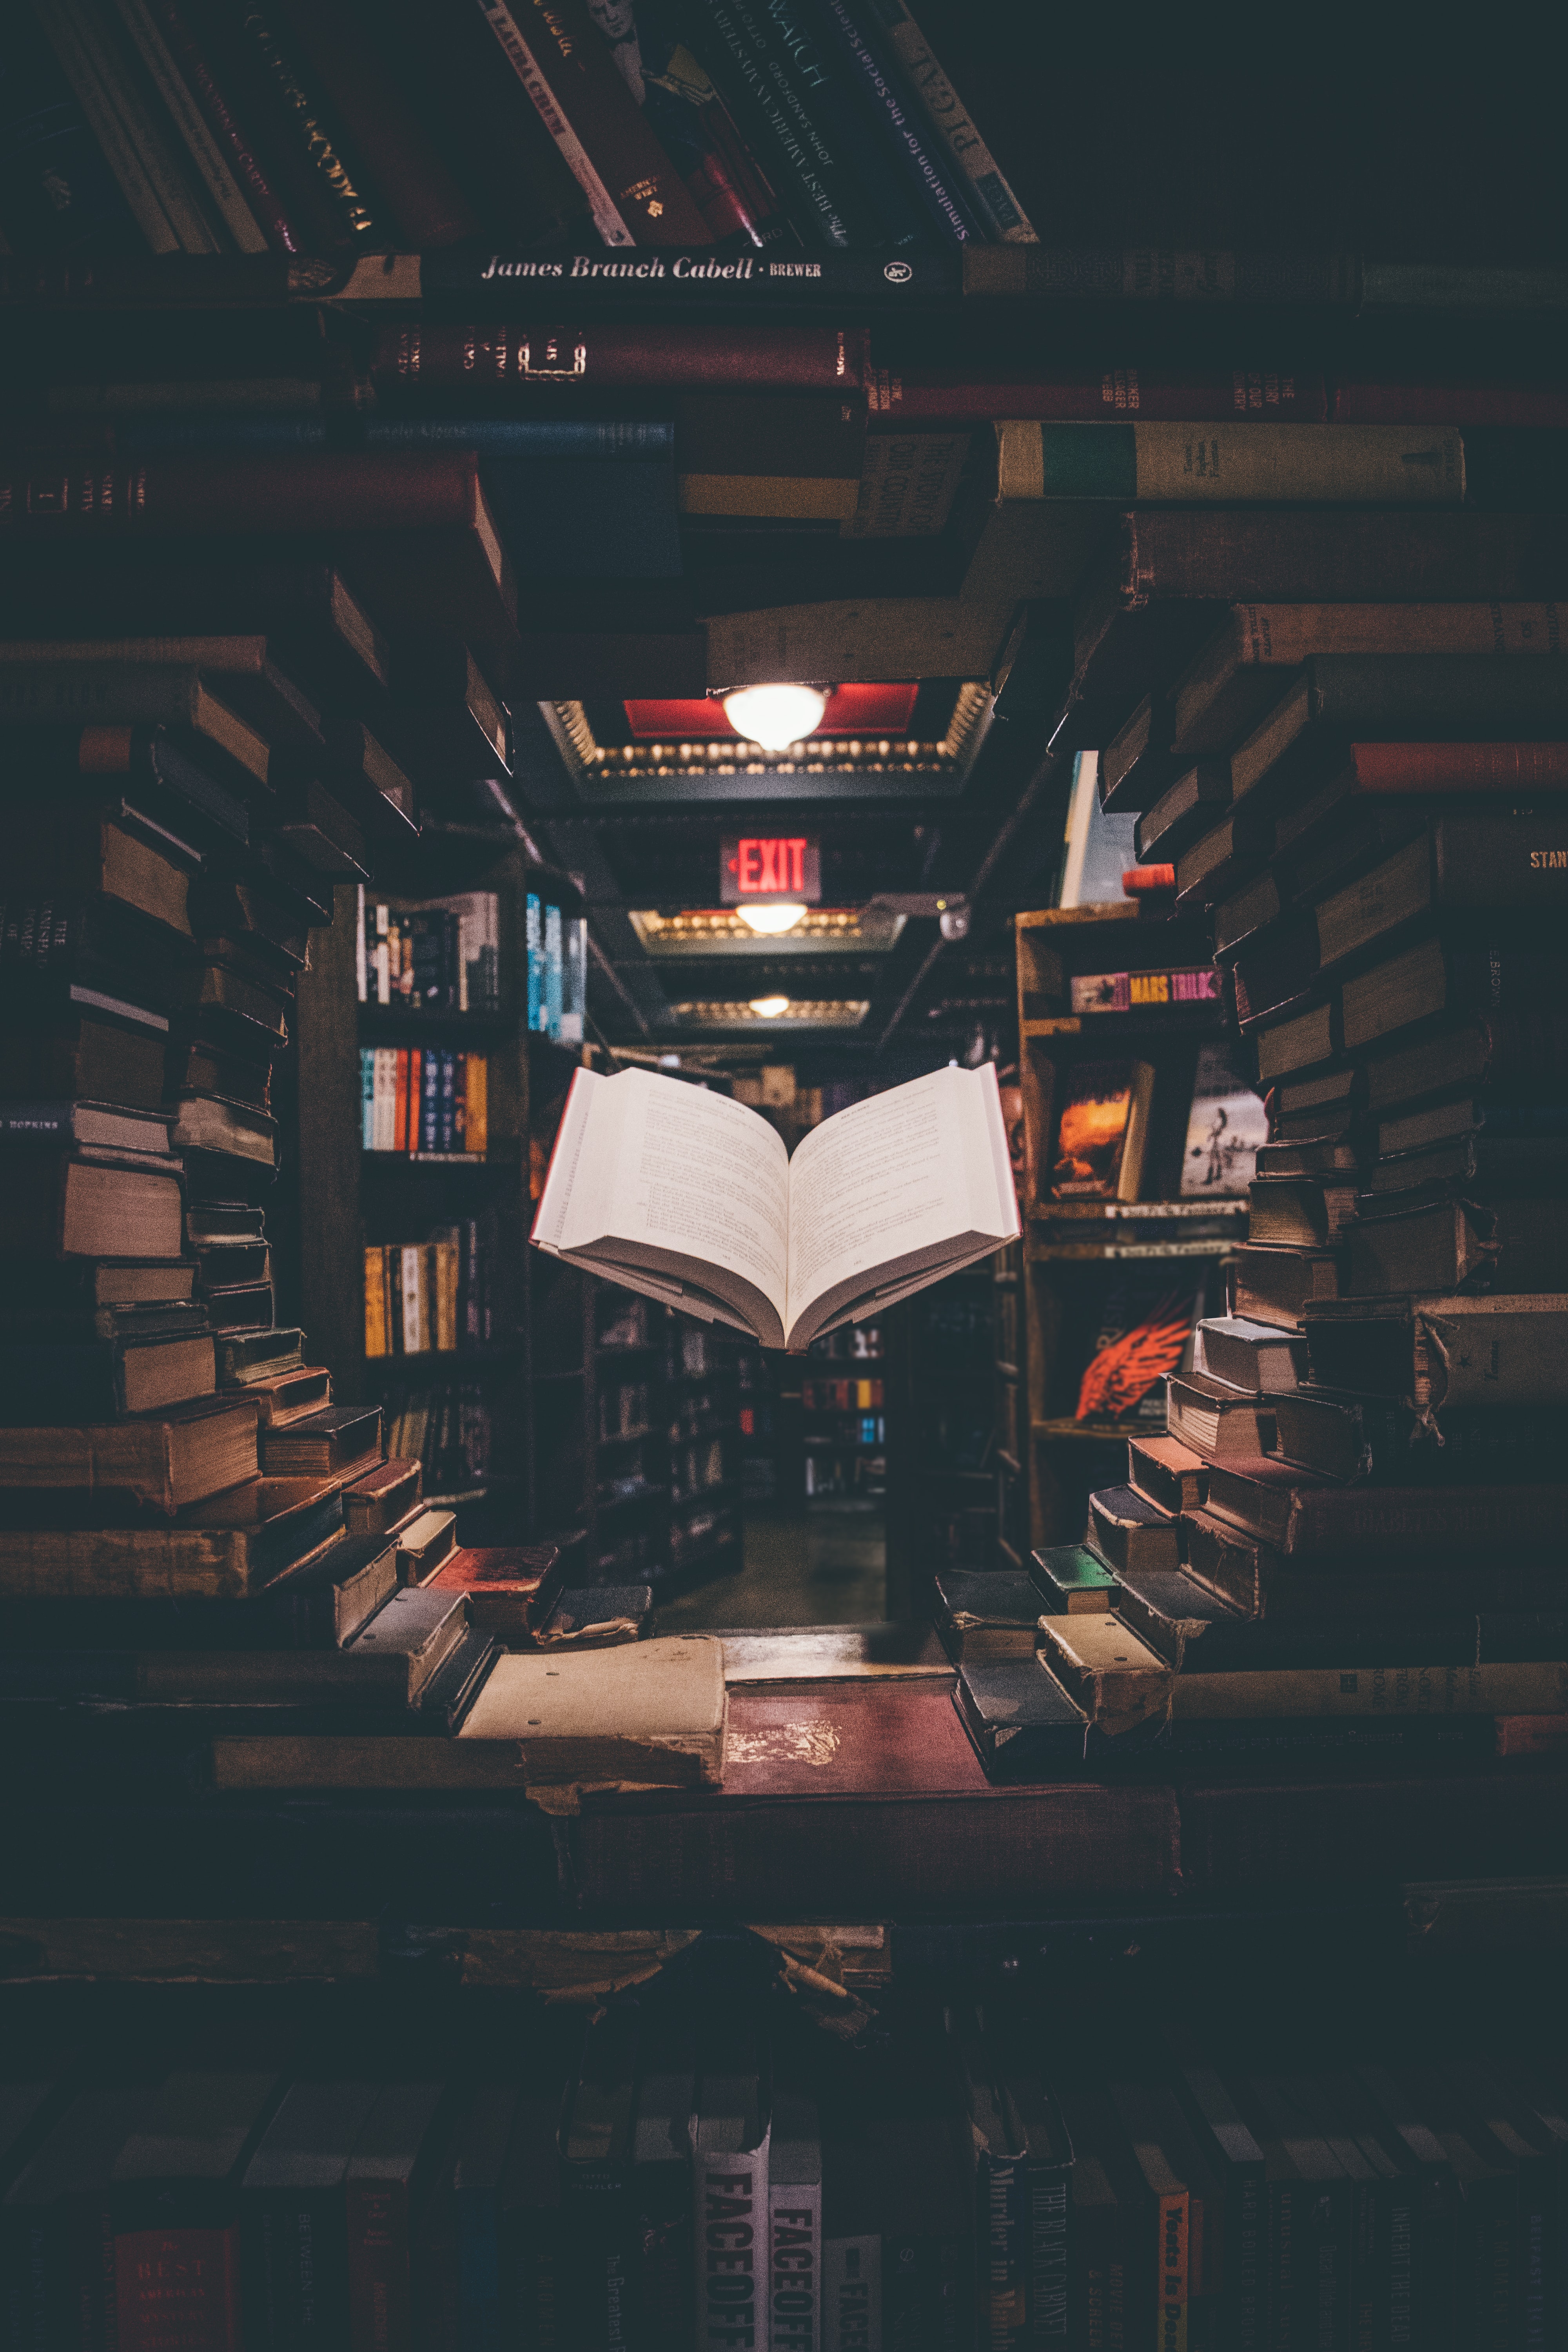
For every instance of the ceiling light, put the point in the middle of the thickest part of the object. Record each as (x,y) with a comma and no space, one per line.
(775,716)
(770,1008)
(783,917)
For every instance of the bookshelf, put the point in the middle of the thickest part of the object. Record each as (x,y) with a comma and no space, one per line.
(505,1418)
(945,1501)
(1088,1265)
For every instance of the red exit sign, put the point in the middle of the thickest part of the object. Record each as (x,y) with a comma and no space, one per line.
(755,867)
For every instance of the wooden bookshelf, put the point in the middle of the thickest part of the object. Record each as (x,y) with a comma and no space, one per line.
(1074,1253)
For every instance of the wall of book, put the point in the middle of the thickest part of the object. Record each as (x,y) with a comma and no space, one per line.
(1139,1137)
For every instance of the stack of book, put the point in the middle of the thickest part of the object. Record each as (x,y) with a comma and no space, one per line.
(1356,1515)
(686,2160)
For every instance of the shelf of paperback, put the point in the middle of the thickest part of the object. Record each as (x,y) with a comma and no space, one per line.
(668,1444)
(844,1417)
(1136,1160)
(428,994)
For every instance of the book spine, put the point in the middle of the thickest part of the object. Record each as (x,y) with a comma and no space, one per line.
(894,121)
(771,112)
(1259,395)
(205,152)
(265,204)
(839,126)
(951,120)
(345,491)
(1001,2232)
(1541,406)
(657,357)
(446,1117)
(374,1305)
(1050,2319)
(197,2269)
(1410,1522)
(429,1112)
(1236,465)
(635,195)
(413,1337)
(475,1109)
(534,939)
(730,2209)
(695,280)
(550,1020)
(1394,768)
(459,1103)
(381,2313)
(1161,274)
(300,115)
(427,205)
(795,2266)
(118,149)
(367,1075)
(400,1082)
(106,57)
(852,2295)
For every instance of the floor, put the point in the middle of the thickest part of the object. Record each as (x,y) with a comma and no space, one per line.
(826,1568)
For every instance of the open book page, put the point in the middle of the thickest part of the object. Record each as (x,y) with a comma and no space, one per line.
(887,1193)
(673,1190)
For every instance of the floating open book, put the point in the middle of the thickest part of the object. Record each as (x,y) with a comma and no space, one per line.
(693,1198)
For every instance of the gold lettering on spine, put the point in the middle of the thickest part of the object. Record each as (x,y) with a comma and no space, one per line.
(323,153)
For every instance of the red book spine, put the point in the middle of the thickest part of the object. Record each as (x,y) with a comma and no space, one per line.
(1450,404)
(427,203)
(635,193)
(1273,395)
(670,357)
(381,2318)
(271,215)
(416,1098)
(177,2287)
(400,1103)
(386,491)
(1140,881)
(1460,767)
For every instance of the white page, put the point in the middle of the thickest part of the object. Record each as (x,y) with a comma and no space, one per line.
(670,1167)
(907,1170)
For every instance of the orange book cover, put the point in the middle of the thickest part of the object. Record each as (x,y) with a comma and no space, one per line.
(400,1103)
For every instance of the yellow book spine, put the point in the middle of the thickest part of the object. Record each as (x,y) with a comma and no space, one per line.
(446,1254)
(374,1305)
(1171,2332)
(477,1127)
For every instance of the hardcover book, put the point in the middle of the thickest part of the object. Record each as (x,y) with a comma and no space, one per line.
(693,1200)
(1102,1131)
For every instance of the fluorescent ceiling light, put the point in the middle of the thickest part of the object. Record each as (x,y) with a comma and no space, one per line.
(770,1008)
(775,716)
(770,920)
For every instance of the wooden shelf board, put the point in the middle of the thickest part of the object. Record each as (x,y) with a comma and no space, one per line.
(1045,919)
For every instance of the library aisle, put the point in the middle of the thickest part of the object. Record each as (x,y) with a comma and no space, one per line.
(828,1568)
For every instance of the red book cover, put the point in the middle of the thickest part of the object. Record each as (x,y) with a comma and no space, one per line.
(177,2288)
(381,2311)
(1450,404)
(413,1106)
(400,1108)
(1119,396)
(661,358)
(343,47)
(1460,767)
(386,490)
(635,193)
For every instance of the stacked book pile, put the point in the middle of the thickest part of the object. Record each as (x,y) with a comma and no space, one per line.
(1359,1513)
(694,2164)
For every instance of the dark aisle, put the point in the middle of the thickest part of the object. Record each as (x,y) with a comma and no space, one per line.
(826,1568)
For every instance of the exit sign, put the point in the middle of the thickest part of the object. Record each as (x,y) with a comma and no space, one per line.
(755,867)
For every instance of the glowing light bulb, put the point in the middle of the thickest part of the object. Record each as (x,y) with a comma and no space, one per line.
(770,1008)
(775,716)
(772,919)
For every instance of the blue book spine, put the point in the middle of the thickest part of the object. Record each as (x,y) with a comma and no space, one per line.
(367,1093)
(895,120)
(535,942)
(478,2272)
(449,1121)
(431,1102)
(838,107)
(525,436)
(550,1023)
(147,437)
